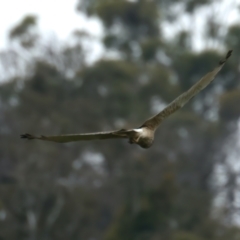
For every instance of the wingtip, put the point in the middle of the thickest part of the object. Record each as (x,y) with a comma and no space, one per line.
(228,55)
(27,136)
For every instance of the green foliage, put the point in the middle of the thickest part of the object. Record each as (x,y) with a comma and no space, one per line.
(152,213)
(183,41)
(24,31)
(150,48)
(191,67)
(24,26)
(192,5)
(232,39)
(140,15)
(229,110)
(185,236)
(127,23)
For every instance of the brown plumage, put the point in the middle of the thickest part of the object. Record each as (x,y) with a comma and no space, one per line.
(143,135)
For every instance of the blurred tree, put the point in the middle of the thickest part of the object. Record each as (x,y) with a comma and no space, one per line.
(24,31)
(111,190)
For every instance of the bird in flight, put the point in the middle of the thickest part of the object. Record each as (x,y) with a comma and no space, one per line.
(143,135)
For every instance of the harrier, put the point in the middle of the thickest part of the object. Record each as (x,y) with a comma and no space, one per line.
(143,135)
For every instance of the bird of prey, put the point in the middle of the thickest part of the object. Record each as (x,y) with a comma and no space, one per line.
(143,135)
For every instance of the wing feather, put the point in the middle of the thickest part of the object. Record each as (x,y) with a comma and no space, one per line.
(81,137)
(180,101)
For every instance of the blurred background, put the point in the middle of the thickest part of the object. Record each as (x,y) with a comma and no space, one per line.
(87,66)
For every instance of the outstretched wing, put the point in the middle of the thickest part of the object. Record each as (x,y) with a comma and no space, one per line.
(81,137)
(180,101)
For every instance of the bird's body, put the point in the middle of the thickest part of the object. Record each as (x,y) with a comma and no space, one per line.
(143,135)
